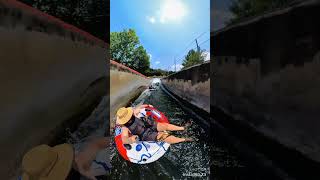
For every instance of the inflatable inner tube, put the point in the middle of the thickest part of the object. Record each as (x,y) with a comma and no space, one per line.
(143,152)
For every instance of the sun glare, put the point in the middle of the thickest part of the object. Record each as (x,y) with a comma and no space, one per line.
(172,10)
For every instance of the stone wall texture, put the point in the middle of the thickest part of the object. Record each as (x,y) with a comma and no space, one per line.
(266,73)
(49,72)
(192,85)
(125,84)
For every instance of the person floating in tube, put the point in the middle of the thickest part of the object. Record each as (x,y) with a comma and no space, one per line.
(144,128)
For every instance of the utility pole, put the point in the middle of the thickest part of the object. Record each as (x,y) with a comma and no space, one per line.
(175,65)
(198,47)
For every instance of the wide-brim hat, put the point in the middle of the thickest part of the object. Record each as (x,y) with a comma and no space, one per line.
(124,115)
(47,163)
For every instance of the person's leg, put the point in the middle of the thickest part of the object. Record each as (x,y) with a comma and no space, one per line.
(168,127)
(170,138)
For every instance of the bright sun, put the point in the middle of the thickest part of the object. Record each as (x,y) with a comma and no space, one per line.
(172,10)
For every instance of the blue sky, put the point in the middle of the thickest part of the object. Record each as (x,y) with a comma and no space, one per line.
(166,28)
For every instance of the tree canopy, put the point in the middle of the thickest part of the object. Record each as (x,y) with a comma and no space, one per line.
(193,57)
(158,72)
(245,8)
(125,48)
(141,61)
(89,15)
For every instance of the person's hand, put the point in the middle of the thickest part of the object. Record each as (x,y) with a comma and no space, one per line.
(83,158)
(134,138)
(148,105)
(87,174)
(84,168)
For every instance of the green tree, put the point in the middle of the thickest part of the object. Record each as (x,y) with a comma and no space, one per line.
(245,8)
(122,46)
(192,58)
(89,15)
(141,61)
(157,72)
(125,48)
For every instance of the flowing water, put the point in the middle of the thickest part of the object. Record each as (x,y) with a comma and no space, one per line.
(191,160)
(182,161)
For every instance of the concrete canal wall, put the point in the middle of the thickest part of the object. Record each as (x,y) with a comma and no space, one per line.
(50,72)
(125,85)
(266,74)
(192,85)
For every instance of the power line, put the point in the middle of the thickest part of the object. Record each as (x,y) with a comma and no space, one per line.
(183,52)
(191,42)
(202,34)
(199,45)
(204,42)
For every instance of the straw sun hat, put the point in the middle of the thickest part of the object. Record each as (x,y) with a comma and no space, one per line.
(47,163)
(124,115)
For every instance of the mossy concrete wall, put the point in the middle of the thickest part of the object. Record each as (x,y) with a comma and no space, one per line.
(266,74)
(192,85)
(125,84)
(50,72)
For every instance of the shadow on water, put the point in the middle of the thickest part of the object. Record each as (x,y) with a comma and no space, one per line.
(182,160)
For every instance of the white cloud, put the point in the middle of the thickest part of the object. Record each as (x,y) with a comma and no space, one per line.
(170,11)
(207,55)
(157,62)
(178,67)
(150,56)
(151,19)
(162,20)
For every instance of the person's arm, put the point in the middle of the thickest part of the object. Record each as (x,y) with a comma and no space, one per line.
(145,105)
(125,137)
(101,143)
(86,173)
(138,108)
(84,158)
